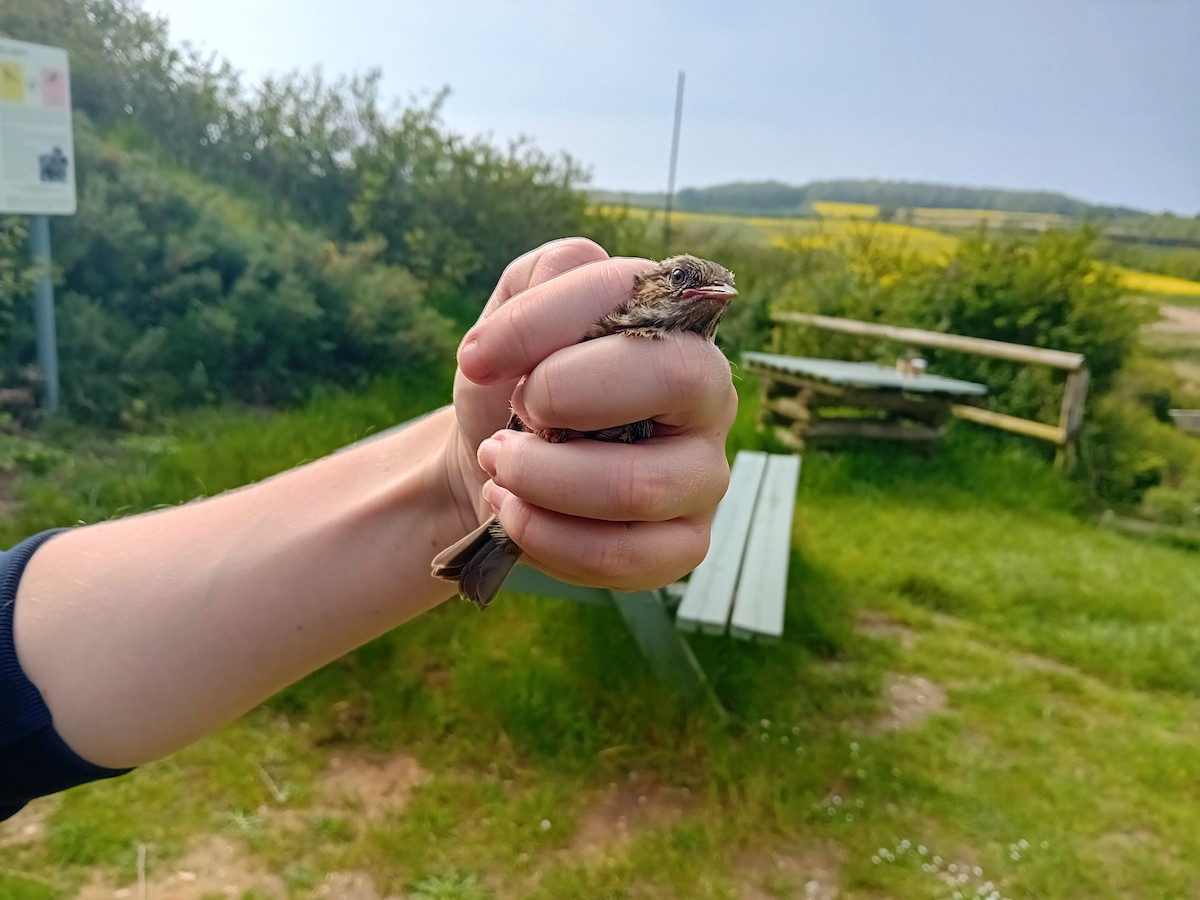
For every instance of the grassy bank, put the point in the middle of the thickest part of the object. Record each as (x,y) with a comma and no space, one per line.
(977,691)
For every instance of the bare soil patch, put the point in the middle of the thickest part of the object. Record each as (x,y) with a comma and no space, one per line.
(810,870)
(876,624)
(28,827)
(214,867)
(908,700)
(623,809)
(350,886)
(370,787)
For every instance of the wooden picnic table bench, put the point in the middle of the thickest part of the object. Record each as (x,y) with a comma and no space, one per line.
(738,589)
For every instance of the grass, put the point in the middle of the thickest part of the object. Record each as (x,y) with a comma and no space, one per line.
(1061,765)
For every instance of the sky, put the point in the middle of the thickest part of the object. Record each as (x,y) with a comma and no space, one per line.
(1099,99)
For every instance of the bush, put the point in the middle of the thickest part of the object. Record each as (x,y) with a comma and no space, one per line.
(1173,506)
(1048,292)
(15,285)
(1127,451)
(171,297)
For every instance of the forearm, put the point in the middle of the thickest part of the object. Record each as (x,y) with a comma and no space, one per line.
(145,633)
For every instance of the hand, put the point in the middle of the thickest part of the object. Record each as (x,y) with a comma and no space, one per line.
(617,515)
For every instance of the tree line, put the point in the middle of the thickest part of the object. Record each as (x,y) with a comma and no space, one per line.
(776,198)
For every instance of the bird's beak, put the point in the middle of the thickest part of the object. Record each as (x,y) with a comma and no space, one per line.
(721,291)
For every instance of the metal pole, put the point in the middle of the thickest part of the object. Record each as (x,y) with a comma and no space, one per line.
(43,310)
(674,159)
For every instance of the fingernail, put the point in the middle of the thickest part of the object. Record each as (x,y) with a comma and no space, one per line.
(488,451)
(494,495)
(471,363)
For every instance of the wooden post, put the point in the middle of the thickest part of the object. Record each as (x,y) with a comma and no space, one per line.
(1071,418)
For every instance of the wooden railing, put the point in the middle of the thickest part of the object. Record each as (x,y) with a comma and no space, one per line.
(1064,435)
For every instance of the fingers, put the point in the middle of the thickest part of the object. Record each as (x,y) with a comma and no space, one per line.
(525,328)
(482,402)
(654,481)
(546,262)
(681,380)
(622,555)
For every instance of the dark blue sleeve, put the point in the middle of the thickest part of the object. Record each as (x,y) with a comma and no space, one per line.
(34,760)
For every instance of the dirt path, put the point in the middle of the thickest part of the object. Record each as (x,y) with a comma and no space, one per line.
(1176,320)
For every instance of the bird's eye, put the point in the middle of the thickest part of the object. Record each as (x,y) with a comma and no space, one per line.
(678,276)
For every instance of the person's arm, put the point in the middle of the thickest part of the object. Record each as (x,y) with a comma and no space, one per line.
(146,633)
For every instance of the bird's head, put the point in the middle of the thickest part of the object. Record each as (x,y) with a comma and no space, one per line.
(683,293)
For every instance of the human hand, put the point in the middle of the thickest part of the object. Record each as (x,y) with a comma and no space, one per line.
(619,515)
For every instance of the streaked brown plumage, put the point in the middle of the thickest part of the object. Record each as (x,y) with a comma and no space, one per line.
(682,293)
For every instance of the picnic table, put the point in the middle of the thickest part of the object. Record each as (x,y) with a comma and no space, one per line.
(805,398)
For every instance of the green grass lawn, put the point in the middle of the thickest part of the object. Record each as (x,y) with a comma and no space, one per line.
(978,691)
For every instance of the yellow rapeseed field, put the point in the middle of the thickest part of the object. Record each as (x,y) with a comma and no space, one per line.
(829,210)
(829,232)
(958,218)
(845,222)
(1151,283)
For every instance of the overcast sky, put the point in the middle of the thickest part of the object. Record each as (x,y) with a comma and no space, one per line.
(1099,99)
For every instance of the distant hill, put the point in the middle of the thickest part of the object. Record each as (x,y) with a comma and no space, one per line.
(775,198)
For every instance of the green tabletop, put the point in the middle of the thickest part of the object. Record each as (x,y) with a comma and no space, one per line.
(861,375)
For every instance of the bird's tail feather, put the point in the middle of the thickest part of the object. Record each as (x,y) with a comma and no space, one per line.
(479,562)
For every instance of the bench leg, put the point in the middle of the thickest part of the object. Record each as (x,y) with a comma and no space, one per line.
(667,653)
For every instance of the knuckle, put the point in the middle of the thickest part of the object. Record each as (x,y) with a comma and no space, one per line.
(719,481)
(566,254)
(610,559)
(694,545)
(551,405)
(680,371)
(613,283)
(685,544)
(512,278)
(517,519)
(696,375)
(512,462)
(523,325)
(644,491)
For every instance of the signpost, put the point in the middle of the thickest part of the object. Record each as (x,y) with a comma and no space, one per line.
(37,169)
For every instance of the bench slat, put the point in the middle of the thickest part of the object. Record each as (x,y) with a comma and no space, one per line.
(762,587)
(709,592)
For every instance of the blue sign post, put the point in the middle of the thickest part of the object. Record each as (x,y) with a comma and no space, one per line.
(43,311)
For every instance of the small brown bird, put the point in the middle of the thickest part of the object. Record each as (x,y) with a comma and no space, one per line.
(682,293)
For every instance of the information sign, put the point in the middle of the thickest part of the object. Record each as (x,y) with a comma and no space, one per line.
(37,153)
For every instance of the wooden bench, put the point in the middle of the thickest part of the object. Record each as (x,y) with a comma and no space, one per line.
(739,589)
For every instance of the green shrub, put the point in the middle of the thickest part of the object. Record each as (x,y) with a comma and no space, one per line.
(1173,506)
(1127,451)
(1047,292)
